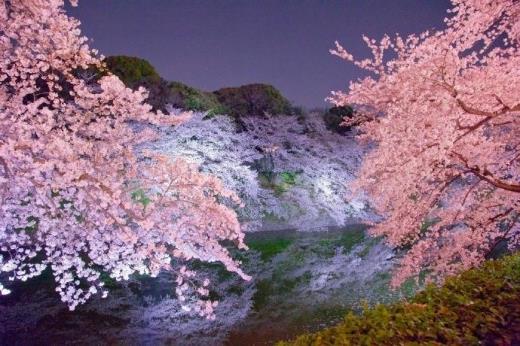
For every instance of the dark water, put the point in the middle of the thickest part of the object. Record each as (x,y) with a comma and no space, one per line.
(302,282)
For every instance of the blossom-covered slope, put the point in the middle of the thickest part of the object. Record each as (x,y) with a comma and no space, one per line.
(290,172)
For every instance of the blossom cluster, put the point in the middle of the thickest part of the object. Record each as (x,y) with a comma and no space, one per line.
(293,171)
(444,110)
(74,197)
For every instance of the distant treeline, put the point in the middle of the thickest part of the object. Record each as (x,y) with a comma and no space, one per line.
(246,100)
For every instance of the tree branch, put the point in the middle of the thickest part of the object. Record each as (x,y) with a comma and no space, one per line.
(503,237)
(488,176)
(6,168)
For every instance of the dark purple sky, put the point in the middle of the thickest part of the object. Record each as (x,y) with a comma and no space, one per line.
(210,44)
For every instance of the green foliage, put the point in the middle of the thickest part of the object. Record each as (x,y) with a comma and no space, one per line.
(299,111)
(424,228)
(186,97)
(290,263)
(271,216)
(479,306)
(108,281)
(334,117)
(320,315)
(288,284)
(139,196)
(289,178)
(236,290)
(213,296)
(325,248)
(427,223)
(33,226)
(269,247)
(193,103)
(131,70)
(254,99)
(217,110)
(278,182)
(267,181)
(263,291)
(414,197)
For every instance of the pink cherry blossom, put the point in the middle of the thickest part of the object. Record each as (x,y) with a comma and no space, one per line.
(444,114)
(74,196)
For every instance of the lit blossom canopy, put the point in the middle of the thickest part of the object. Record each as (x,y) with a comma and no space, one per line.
(445,115)
(74,198)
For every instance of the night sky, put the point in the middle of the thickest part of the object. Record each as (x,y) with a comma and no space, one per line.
(216,43)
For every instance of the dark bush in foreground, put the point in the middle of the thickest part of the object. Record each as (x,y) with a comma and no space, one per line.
(333,118)
(254,99)
(480,306)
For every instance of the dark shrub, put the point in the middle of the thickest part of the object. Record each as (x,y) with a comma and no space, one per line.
(334,117)
(254,99)
(131,70)
(158,92)
(186,97)
(480,306)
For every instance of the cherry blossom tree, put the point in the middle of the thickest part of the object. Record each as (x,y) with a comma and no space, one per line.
(289,173)
(74,197)
(311,170)
(443,109)
(218,149)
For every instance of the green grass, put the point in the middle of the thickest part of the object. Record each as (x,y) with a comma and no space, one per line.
(269,248)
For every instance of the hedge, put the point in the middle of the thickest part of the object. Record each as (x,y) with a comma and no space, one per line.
(480,306)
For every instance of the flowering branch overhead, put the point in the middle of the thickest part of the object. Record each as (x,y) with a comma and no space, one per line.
(446,171)
(75,198)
